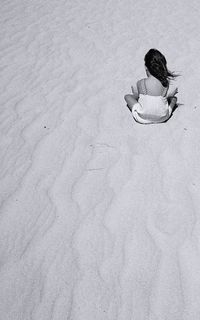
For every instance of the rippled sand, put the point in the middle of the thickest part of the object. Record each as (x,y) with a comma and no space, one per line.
(99,215)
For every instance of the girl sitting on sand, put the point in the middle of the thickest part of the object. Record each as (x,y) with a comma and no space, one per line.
(151,104)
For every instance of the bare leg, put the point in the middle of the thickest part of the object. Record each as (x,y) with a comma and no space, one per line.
(131,99)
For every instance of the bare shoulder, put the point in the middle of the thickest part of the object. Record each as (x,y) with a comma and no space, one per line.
(140,85)
(139,81)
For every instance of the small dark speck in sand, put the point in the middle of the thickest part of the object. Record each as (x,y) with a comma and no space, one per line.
(185,129)
(195,107)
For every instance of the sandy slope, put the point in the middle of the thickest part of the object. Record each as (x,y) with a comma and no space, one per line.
(99,215)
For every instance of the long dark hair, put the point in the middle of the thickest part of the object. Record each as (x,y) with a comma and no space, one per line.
(157,66)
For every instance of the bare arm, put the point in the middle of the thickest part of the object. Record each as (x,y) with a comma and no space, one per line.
(139,87)
(134,92)
(174,92)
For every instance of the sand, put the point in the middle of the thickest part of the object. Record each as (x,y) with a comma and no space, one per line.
(99,214)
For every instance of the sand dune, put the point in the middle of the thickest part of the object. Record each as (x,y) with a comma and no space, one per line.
(99,214)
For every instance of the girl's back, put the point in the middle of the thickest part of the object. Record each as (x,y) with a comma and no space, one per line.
(153,105)
(152,87)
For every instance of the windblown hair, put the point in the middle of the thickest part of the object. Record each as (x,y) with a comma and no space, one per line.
(157,66)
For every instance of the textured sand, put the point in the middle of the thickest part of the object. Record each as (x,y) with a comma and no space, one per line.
(99,215)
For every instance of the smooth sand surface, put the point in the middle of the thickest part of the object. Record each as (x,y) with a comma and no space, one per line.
(99,214)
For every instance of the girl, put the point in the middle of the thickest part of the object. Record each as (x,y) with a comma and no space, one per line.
(151,104)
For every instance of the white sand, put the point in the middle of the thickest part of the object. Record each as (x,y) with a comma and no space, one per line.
(99,215)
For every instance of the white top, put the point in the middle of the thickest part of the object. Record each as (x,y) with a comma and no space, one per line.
(151,109)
